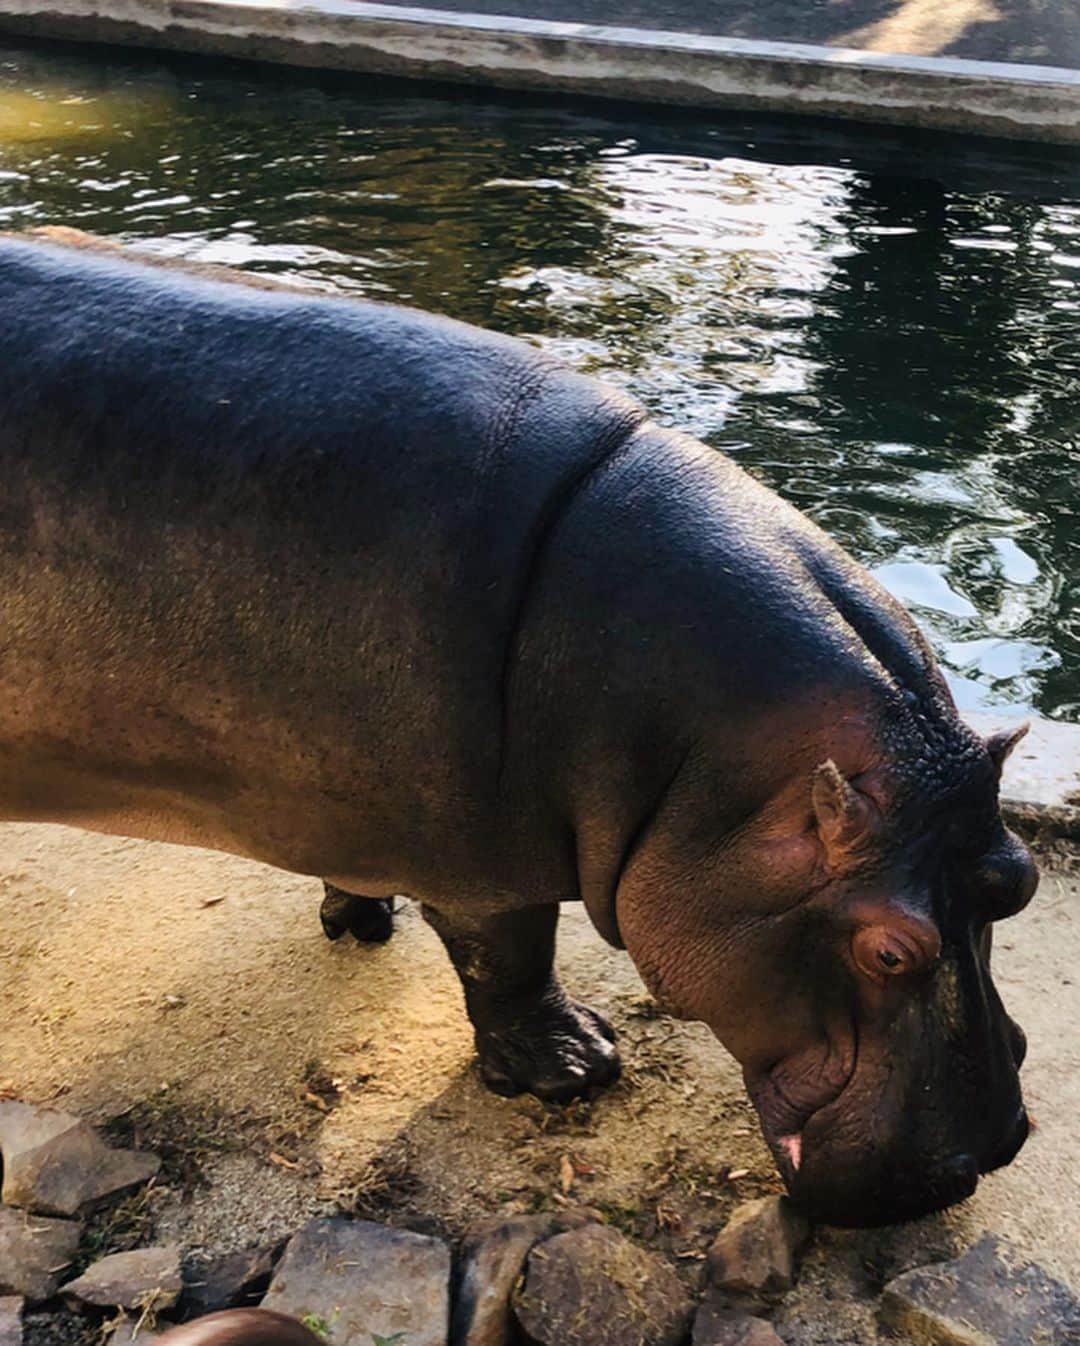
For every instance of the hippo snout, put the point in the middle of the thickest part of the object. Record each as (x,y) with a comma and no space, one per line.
(1011,1144)
(1017,1043)
(840,1186)
(850,1200)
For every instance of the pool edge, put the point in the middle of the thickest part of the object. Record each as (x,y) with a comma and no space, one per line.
(1019,102)
(1041,786)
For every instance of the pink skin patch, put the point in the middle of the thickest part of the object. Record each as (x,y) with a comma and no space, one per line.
(792,1147)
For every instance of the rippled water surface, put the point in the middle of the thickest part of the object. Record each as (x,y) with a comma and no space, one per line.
(884,328)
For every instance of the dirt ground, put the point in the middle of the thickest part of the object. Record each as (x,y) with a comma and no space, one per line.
(190,1000)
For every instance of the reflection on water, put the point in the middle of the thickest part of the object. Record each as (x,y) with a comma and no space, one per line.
(886,330)
(57,112)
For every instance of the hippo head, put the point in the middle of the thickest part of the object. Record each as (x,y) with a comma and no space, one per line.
(849,974)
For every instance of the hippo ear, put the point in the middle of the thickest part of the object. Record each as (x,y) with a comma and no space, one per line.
(843,814)
(1001,744)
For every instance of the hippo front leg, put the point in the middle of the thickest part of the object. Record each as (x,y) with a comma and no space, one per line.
(368,919)
(531,1038)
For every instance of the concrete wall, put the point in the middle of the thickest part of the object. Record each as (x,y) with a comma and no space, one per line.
(1041,784)
(1018,101)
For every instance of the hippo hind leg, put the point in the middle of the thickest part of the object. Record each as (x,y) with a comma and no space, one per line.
(368,919)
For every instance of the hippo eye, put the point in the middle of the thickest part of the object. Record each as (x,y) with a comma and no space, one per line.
(906,943)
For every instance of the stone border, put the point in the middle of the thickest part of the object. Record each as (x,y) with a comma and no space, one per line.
(1041,786)
(1025,102)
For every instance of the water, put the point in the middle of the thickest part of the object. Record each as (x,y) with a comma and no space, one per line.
(885,327)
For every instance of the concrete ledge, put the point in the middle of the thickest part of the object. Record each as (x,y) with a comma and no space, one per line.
(1041,785)
(1018,101)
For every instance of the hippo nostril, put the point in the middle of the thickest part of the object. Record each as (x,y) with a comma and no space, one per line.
(961,1166)
(959,1176)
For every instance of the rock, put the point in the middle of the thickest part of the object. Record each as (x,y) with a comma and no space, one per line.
(129,1333)
(54,1164)
(592,1287)
(11,1307)
(493,1257)
(716,1325)
(752,1260)
(134,1280)
(358,1280)
(230,1282)
(34,1252)
(987,1297)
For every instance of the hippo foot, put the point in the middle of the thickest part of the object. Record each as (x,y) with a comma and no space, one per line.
(370,920)
(557,1053)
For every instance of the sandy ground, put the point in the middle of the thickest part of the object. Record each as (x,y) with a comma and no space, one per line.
(1045,32)
(191,1000)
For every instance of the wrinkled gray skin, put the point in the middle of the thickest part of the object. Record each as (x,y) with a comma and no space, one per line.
(374,596)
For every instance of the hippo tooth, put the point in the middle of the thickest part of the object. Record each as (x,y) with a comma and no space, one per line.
(792,1147)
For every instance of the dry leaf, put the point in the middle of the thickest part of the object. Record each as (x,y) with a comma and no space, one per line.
(315,1101)
(566,1173)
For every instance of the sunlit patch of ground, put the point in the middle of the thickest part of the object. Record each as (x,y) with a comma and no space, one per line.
(922,27)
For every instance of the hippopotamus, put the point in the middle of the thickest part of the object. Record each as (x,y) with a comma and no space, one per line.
(381,598)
